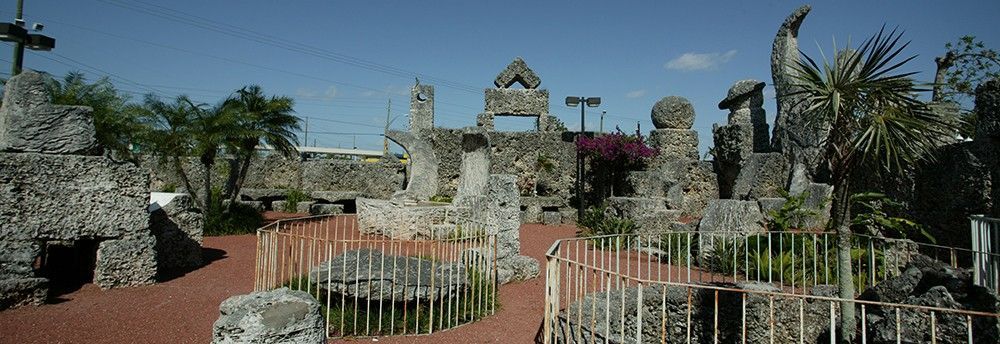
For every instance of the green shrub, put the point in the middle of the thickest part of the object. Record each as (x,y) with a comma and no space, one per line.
(791,215)
(169,187)
(725,256)
(292,199)
(872,216)
(441,198)
(592,217)
(678,246)
(597,221)
(235,220)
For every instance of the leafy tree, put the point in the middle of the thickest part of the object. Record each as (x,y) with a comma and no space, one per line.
(966,63)
(876,122)
(117,124)
(260,119)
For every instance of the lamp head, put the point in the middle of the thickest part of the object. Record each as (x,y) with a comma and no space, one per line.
(593,101)
(39,42)
(12,33)
(572,101)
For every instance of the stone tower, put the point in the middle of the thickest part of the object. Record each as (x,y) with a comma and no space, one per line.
(527,102)
(421,108)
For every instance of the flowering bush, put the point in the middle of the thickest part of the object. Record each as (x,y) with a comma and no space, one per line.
(617,149)
(613,154)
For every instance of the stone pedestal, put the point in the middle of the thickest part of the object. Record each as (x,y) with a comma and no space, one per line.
(675,144)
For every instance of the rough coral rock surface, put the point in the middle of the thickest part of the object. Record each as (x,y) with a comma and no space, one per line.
(672,112)
(28,123)
(277,316)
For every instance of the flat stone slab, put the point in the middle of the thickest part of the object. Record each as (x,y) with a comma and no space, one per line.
(326,209)
(372,275)
(634,207)
(732,216)
(516,102)
(335,196)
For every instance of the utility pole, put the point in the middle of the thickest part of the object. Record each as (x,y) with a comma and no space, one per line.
(15,67)
(305,140)
(603,112)
(581,164)
(385,139)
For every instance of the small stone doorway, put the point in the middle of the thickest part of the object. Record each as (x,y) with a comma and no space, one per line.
(67,264)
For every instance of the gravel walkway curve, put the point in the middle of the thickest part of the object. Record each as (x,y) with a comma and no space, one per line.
(182,309)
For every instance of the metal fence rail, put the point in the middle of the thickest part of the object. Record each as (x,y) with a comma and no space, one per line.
(690,288)
(371,285)
(986,239)
(793,261)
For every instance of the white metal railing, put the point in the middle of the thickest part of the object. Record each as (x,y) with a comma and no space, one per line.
(372,285)
(985,239)
(794,261)
(634,289)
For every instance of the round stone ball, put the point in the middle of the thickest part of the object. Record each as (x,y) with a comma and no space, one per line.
(673,112)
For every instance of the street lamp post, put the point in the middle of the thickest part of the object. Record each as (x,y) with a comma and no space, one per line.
(580,167)
(22,39)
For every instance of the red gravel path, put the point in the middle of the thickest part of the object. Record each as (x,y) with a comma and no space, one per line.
(183,309)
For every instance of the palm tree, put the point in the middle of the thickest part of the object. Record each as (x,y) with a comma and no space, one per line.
(877,122)
(169,136)
(116,124)
(211,129)
(260,119)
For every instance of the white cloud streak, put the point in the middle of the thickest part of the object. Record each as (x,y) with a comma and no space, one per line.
(635,94)
(699,61)
(325,95)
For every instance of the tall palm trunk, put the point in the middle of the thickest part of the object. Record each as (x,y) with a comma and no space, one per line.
(230,188)
(187,182)
(208,184)
(240,178)
(840,212)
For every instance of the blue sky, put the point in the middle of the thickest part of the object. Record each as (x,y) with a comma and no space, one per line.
(343,60)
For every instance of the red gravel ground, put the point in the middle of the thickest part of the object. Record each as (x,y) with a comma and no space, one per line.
(182,309)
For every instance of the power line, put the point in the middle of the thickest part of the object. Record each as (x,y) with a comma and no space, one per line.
(95,69)
(230,60)
(263,38)
(343,133)
(221,58)
(359,100)
(343,122)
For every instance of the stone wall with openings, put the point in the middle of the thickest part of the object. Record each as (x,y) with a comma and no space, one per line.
(58,194)
(274,172)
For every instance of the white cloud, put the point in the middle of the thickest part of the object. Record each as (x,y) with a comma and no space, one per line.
(635,94)
(330,92)
(699,61)
(325,95)
(389,90)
